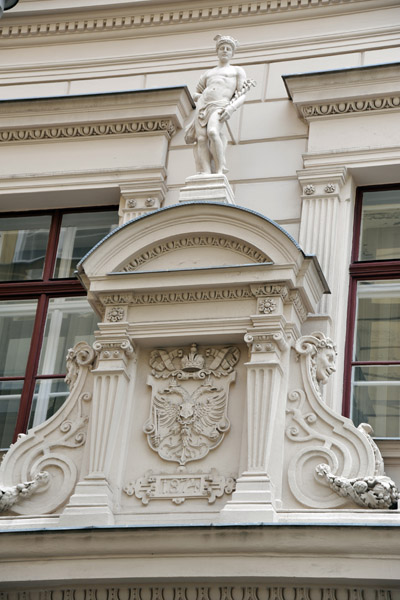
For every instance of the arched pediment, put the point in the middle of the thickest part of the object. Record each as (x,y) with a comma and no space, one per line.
(192,235)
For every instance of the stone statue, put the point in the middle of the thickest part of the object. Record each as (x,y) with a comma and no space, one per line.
(219,93)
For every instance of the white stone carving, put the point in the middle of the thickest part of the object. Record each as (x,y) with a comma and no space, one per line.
(309,189)
(219,93)
(54,447)
(198,241)
(368,492)
(322,352)
(317,435)
(354,106)
(330,188)
(115,314)
(11,495)
(211,591)
(266,305)
(185,296)
(154,18)
(180,486)
(88,130)
(188,417)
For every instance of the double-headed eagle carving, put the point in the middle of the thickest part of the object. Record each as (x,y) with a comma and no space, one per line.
(187,421)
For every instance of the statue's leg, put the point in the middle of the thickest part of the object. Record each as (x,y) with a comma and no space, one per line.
(202,151)
(217,141)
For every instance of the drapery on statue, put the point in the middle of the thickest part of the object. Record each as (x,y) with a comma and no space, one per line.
(219,93)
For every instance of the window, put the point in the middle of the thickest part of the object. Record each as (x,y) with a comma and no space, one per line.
(43,309)
(372,381)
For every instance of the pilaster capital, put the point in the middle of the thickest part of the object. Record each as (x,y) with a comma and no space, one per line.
(113,346)
(322,183)
(266,345)
(140,198)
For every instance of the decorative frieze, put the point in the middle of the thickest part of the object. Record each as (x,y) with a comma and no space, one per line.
(362,105)
(201,592)
(196,241)
(158,18)
(180,486)
(183,297)
(136,127)
(189,416)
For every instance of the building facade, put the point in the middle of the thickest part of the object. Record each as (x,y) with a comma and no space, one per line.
(181,352)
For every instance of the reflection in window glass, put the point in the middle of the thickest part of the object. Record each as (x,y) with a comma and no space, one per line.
(69,321)
(16,326)
(23,243)
(10,395)
(79,233)
(378,321)
(48,397)
(380,226)
(376,393)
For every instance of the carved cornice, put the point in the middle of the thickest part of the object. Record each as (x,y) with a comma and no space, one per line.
(134,127)
(382,103)
(157,18)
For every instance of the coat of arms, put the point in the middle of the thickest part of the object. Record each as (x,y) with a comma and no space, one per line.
(189,403)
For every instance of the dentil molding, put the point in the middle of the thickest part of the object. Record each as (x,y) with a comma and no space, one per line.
(156,17)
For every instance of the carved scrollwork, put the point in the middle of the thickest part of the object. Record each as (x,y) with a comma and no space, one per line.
(180,486)
(188,417)
(55,446)
(81,355)
(317,435)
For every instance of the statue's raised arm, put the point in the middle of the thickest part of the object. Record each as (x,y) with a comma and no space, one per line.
(219,93)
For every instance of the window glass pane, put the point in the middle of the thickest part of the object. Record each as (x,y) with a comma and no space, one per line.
(10,396)
(380,225)
(79,233)
(16,325)
(376,393)
(378,321)
(23,243)
(69,320)
(49,395)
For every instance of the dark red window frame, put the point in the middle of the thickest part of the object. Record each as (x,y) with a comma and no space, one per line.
(361,271)
(41,290)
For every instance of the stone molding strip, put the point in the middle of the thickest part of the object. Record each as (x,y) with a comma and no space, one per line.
(178,16)
(139,126)
(199,592)
(350,107)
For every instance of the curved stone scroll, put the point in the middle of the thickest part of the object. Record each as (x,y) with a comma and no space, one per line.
(316,434)
(55,447)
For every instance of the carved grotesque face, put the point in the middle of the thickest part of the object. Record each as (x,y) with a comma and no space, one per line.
(224,52)
(325,364)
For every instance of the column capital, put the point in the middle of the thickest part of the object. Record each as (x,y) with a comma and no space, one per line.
(322,182)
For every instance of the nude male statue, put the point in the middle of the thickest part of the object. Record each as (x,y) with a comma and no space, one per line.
(219,93)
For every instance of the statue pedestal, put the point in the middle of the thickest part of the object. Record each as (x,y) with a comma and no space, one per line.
(207,188)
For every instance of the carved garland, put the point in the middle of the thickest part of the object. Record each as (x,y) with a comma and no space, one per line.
(88,130)
(353,106)
(176,17)
(196,241)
